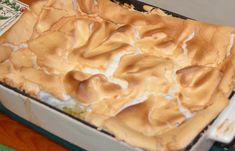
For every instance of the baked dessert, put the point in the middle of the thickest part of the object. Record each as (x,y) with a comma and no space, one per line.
(152,80)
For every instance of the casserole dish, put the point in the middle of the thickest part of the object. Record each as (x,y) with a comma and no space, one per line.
(89,137)
(52,101)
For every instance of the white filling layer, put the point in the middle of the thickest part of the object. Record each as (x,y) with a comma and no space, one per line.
(135,39)
(92,71)
(23,45)
(136,33)
(187,114)
(175,88)
(53,101)
(169,97)
(135,101)
(231,43)
(91,25)
(112,67)
(183,59)
(67,102)
(184,46)
(75,4)
(14,47)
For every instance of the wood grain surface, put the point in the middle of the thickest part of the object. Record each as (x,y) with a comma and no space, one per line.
(21,138)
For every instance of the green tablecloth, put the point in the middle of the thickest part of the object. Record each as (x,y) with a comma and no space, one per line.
(5,148)
(72,147)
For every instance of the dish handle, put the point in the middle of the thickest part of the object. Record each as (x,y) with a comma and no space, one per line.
(223,128)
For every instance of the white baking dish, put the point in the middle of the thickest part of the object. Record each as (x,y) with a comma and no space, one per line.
(60,124)
(88,137)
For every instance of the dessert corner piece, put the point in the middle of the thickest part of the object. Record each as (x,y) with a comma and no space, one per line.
(146,77)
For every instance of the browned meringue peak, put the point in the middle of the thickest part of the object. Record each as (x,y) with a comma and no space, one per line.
(107,105)
(65,21)
(120,15)
(105,64)
(87,6)
(165,116)
(78,28)
(100,32)
(172,27)
(23,58)
(53,11)
(180,39)
(11,76)
(139,89)
(118,40)
(28,78)
(197,85)
(169,39)
(161,46)
(5,53)
(48,17)
(153,117)
(51,50)
(37,6)
(228,70)
(210,43)
(41,78)
(112,106)
(107,108)
(179,137)
(4,70)
(22,30)
(61,4)
(145,71)
(90,89)
(21,71)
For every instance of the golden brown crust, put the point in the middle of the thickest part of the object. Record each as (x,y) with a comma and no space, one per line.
(179,137)
(148,78)
(228,68)
(17,35)
(37,6)
(4,53)
(90,89)
(122,15)
(22,59)
(197,85)
(40,78)
(53,11)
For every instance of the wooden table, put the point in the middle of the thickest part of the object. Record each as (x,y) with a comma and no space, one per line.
(20,137)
